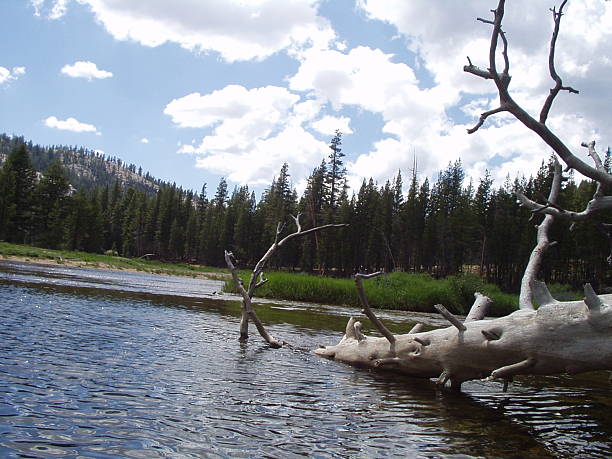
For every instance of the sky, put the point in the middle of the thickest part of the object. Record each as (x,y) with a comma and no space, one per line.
(195,90)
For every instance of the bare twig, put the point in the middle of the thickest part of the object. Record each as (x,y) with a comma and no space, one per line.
(551,66)
(484,116)
(368,312)
(450,317)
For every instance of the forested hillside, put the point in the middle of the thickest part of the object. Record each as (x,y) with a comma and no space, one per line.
(85,168)
(443,227)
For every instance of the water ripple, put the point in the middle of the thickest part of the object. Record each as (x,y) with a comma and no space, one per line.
(90,374)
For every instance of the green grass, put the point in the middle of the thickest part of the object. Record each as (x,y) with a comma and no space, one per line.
(400,291)
(100,261)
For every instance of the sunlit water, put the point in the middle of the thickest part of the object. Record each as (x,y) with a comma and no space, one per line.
(99,364)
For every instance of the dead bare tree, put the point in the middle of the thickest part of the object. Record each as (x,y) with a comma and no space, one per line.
(257,278)
(558,337)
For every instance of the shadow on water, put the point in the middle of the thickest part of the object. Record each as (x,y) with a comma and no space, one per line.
(135,365)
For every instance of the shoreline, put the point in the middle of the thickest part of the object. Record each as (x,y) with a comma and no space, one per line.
(72,263)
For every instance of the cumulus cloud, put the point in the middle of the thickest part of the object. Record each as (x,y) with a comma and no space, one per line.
(70,124)
(369,79)
(260,108)
(293,145)
(7,75)
(252,131)
(85,69)
(236,29)
(144,140)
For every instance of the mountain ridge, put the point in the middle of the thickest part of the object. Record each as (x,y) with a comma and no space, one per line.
(85,168)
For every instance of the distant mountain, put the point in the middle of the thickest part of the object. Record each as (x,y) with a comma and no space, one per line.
(85,168)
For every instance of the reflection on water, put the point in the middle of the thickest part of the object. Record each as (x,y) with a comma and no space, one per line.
(104,368)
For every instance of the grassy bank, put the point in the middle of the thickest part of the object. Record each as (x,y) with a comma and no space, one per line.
(94,260)
(401,291)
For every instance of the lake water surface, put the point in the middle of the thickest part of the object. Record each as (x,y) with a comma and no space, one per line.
(109,364)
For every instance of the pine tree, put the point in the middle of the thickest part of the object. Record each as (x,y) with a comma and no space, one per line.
(336,173)
(51,196)
(18,179)
(482,206)
(312,205)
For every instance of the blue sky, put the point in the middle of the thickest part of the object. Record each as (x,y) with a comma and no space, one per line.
(193,90)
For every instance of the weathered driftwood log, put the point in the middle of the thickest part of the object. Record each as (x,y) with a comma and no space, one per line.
(559,337)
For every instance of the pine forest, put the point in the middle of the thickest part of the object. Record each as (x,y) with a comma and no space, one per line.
(447,226)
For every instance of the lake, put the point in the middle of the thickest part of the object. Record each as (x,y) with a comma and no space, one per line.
(116,364)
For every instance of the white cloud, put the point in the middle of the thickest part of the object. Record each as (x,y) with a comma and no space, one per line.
(7,75)
(370,80)
(236,29)
(59,9)
(329,124)
(261,107)
(54,9)
(144,140)
(292,145)
(363,76)
(252,132)
(37,5)
(85,69)
(70,124)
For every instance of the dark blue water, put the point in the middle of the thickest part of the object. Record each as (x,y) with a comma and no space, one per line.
(146,366)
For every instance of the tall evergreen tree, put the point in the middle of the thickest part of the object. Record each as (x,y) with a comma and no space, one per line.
(336,172)
(51,197)
(17,186)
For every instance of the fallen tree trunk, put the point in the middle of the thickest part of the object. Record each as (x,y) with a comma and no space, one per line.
(559,337)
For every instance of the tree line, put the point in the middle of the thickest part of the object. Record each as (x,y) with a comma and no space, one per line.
(447,226)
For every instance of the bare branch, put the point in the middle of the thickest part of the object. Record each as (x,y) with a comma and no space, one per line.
(450,317)
(479,308)
(502,81)
(484,116)
(593,154)
(535,260)
(247,306)
(368,312)
(551,67)
(257,278)
(296,219)
(470,68)
(486,21)
(416,329)
(598,204)
(311,230)
(595,205)
(262,280)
